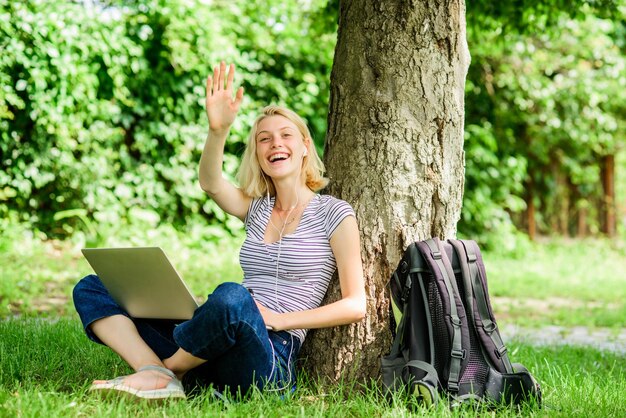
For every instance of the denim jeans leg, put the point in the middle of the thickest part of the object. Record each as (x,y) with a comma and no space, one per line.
(93,302)
(284,349)
(229,332)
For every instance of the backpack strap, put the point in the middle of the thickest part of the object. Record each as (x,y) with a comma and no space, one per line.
(398,340)
(393,364)
(418,267)
(468,257)
(459,264)
(422,365)
(405,290)
(399,288)
(404,278)
(457,353)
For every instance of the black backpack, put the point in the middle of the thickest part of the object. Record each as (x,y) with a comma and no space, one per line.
(447,341)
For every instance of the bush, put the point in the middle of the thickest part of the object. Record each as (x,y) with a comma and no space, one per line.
(102,104)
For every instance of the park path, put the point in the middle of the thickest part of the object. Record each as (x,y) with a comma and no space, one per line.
(599,338)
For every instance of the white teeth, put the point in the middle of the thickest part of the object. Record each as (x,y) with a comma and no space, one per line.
(276,157)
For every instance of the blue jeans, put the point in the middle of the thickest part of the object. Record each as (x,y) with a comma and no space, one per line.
(227,330)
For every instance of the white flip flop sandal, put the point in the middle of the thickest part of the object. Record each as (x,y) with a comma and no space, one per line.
(173,390)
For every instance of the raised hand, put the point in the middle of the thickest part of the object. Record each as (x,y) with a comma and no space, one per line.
(221,107)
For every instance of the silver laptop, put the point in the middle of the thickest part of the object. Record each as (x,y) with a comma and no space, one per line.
(143,282)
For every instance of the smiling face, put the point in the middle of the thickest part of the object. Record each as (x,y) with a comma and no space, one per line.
(280,146)
(255,164)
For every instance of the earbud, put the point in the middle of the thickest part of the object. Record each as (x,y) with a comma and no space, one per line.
(306,152)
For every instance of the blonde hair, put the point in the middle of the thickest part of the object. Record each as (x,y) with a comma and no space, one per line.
(254,182)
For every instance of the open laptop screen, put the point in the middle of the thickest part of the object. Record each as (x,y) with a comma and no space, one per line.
(142,281)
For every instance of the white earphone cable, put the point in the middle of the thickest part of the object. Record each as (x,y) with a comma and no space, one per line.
(281,232)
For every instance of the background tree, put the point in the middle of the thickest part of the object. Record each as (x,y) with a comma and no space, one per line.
(545,115)
(395,138)
(101,119)
(394,150)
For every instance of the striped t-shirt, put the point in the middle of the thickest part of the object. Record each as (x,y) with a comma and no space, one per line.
(305,260)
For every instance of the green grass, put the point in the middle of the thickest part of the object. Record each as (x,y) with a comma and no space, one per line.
(561,282)
(47,367)
(47,364)
(37,276)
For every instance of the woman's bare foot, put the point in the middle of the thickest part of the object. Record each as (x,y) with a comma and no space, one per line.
(144,380)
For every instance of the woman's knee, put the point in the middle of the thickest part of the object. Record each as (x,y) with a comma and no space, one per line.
(232,292)
(86,285)
(230,296)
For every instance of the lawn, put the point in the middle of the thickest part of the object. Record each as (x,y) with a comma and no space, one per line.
(46,363)
(47,366)
(561,282)
(37,277)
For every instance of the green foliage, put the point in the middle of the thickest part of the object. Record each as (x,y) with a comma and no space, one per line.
(493,185)
(102,120)
(102,112)
(542,109)
(530,15)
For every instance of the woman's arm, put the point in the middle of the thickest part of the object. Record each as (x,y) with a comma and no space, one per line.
(221,110)
(346,247)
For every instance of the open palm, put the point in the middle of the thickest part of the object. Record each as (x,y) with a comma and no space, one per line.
(221,107)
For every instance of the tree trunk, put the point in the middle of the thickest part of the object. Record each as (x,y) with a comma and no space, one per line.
(607,171)
(563,200)
(582,220)
(394,150)
(531,223)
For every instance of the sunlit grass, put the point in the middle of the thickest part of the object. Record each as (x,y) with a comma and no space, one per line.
(47,364)
(563,282)
(37,276)
(46,368)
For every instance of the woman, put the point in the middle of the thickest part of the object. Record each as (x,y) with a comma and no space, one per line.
(246,335)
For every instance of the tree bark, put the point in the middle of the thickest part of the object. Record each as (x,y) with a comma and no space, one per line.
(394,150)
(563,189)
(582,226)
(607,172)
(531,223)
